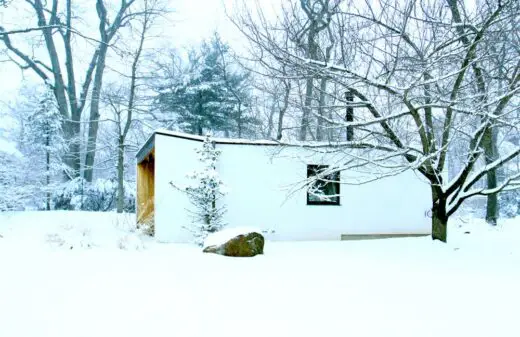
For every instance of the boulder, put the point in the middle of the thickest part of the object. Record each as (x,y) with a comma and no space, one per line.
(242,245)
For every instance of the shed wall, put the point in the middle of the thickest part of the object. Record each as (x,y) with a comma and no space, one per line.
(263,183)
(174,158)
(264,193)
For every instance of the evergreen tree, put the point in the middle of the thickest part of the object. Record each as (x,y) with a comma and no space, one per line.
(209,95)
(43,139)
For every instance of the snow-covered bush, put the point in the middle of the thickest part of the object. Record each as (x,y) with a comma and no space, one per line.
(78,194)
(12,193)
(70,195)
(70,237)
(205,189)
(131,241)
(509,202)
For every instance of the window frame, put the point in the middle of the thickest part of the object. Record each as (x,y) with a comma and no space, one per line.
(335,179)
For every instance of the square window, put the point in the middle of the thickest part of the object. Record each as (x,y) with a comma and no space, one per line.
(325,189)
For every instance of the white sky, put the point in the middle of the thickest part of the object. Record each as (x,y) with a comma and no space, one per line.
(196,19)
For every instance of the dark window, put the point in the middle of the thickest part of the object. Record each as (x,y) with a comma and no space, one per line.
(324,190)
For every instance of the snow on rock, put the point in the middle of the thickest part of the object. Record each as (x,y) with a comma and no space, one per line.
(247,245)
(226,234)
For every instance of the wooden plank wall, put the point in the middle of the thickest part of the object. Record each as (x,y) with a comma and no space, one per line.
(145,187)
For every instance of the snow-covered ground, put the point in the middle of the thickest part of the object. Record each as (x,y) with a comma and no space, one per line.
(113,282)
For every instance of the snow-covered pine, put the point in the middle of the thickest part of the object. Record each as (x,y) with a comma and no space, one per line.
(44,144)
(31,163)
(208,93)
(205,189)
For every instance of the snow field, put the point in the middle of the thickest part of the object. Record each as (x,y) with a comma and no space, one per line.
(398,287)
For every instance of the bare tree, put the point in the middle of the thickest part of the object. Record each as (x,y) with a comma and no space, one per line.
(489,137)
(283,107)
(62,74)
(304,28)
(123,100)
(107,31)
(275,94)
(413,76)
(318,14)
(238,83)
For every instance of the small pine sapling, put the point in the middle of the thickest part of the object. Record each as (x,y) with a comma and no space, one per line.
(205,189)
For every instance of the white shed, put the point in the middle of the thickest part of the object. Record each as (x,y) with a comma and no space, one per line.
(265,182)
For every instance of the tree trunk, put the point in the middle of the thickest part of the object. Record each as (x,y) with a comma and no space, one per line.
(306,111)
(439,216)
(349,115)
(47,174)
(283,110)
(439,227)
(239,120)
(270,120)
(491,154)
(72,158)
(280,125)
(321,109)
(59,84)
(75,107)
(94,116)
(307,105)
(120,175)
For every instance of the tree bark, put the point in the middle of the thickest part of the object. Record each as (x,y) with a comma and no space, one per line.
(94,116)
(47,173)
(239,120)
(96,93)
(283,110)
(120,175)
(270,120)
(74,124)
(439,216)
(321,109)
(323,90)
(349,115)
(307,105)
(490,155)
(306,111)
